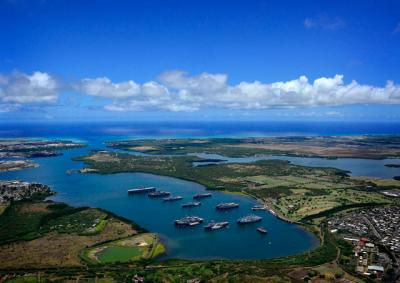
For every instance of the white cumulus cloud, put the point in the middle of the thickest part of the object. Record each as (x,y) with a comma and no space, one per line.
(104,87)
(177,91)
(22,88)
(203,83)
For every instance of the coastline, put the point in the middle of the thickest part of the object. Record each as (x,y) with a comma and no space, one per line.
(301,225)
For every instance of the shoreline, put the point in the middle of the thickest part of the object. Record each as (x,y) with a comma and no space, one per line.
(301,225)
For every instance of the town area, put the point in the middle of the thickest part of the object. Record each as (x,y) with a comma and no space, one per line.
(18,190)
(375,235)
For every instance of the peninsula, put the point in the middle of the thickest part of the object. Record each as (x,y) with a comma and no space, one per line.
(293,192)
(371,147)
(23,148)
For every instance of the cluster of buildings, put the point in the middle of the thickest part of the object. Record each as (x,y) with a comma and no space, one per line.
(367,230)
(18,190)
(367,258)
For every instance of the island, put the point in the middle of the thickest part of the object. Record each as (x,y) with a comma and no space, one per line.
(18,148)
(371,147)
(23,148)
(13,165)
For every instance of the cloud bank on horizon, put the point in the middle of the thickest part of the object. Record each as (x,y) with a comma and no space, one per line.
(176,91)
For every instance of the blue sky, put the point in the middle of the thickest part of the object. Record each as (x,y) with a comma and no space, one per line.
(200,60)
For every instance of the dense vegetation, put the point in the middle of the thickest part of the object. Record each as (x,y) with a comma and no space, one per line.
(27,220)
(17,224)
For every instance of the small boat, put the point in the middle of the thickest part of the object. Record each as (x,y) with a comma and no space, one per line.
(142,190)
(249,219)
(205,195)
(159,194)
(216,225)
(272,212)
(258,207)
(188,221)
(227,205)
(262,230)
(172,198)
(191,204)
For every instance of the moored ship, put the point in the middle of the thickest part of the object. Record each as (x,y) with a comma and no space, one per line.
(262,230)
(172,198)
(142,190)
(249,219)
(205,195)
(191,204)
(159,194)
(188,221)
(258,207)
(227,205)
(216,225)
(271,211)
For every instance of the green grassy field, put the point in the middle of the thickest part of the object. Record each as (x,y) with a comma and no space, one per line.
(308,182)
(299,206)
(142,246)
(118,254)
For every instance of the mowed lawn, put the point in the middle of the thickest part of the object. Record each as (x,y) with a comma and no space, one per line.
(142,246)
(121,254)
(308,182)
(297,206)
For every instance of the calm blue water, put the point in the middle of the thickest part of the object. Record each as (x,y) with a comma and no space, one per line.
(109,191)
(356,166)
(195,129)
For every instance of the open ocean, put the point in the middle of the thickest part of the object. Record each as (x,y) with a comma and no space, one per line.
(195,129)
